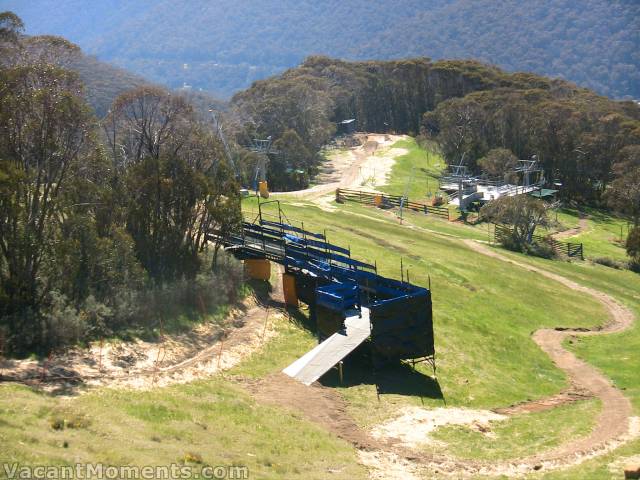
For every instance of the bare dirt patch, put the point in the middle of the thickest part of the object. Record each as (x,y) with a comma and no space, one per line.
(200,353)
(385,465)
(582,227)
(571,395)
(321,405)
(414,424)
(364,167)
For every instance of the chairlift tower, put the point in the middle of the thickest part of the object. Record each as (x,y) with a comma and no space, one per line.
(527,168)
(217,125)
(264,148)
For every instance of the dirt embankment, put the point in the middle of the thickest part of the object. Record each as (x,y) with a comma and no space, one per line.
(202,352)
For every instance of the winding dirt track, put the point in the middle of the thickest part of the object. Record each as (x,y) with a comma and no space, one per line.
(583,226)
(615,424)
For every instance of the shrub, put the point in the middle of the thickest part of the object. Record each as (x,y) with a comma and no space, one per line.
(540,249)
(63,324)
(609,262)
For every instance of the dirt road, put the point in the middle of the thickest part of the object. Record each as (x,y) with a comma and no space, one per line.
(357,168)
(583,226)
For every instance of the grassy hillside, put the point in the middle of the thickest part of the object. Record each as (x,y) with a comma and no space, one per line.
(200,424)
(229,44)
(484,313)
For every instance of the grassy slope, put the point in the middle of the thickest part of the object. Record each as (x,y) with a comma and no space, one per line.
(484,313)
(415,173)
(616,355)
(483,321)
(465,381)
(214,420)
(419,169)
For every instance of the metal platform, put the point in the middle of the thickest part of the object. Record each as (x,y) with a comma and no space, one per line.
(315,363)
(352,297)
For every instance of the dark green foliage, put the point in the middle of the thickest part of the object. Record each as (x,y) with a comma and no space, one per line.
(11,27)
(633,244)
(576,135)
(499,162)
(229,44)
(467,107)
(91,245)
(624,194)
(610,262)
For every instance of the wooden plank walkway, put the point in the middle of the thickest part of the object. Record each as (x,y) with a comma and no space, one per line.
(315,363)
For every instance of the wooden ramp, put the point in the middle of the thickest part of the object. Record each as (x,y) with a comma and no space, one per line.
(315,363)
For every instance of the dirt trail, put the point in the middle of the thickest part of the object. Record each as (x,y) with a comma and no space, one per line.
(201,353)
(615,424)
(582,227)
(353,167)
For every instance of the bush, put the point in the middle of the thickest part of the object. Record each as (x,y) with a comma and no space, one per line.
(632,244)
(610,262)
(540,249)
(63,323)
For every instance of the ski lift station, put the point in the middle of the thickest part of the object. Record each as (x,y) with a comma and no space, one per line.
(464,188)
(348,300)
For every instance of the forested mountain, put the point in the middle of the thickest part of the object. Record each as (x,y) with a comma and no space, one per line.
(103,82)
(467,107)
(228,44)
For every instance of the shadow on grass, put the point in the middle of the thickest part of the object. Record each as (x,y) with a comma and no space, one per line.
(392,378)
(397,378)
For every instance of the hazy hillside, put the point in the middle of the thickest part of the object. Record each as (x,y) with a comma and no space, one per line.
(104,82)
(227,45)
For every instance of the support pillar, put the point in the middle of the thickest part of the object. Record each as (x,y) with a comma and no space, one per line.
(258,268)
(289,289)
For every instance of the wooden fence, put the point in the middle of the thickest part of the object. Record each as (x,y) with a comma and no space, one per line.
(568,249)
(382,199)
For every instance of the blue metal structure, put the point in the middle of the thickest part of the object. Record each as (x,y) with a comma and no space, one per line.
(329,280)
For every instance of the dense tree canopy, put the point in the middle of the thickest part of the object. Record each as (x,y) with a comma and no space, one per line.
(94,222)
(469,108)
(228,44)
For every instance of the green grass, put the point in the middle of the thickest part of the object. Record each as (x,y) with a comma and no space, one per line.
(616,355)
(521,434)
(291,342)
(484,309)
(605,234)
(484,313)
(415,173)
(213,421)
